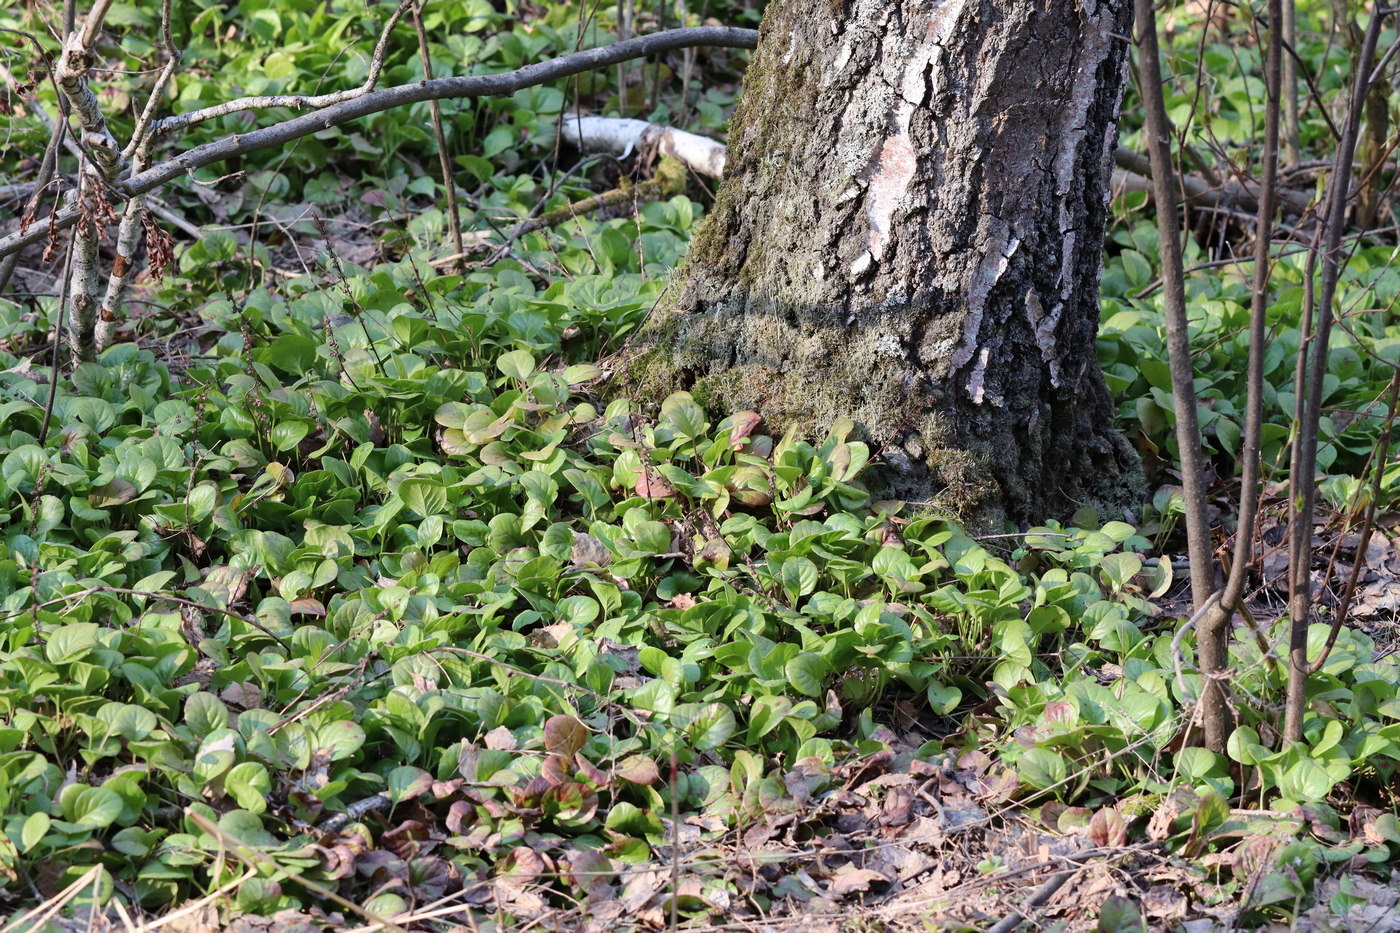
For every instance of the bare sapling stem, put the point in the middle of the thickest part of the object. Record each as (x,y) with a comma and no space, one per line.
(1302,481)
(1290,83)
(1188,433)
(1213,632)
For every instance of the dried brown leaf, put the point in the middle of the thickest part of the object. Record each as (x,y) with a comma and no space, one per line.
(851,880)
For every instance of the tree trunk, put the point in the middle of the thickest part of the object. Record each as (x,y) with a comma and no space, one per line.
(910,234)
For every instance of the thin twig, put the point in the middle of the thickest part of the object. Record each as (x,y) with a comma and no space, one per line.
(1213,634)
(1382,453)
(1303,478)
(449,184)
(56,363)
(1188,434)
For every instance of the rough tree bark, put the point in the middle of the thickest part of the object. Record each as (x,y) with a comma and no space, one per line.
(910,234)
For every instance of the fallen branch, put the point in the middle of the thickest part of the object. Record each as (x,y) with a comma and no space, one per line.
(387,99)
(667,181)
(622,137)
(1196,192)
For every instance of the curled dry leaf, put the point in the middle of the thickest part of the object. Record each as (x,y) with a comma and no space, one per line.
(852,880)
(564,735)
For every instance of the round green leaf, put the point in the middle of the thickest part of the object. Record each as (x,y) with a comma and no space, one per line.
(249,784)
(517,364)
(712,726)
(90,807)
(807,673)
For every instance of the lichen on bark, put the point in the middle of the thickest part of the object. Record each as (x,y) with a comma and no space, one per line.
(909,234)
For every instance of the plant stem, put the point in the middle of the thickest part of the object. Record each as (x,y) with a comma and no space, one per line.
(1188,432)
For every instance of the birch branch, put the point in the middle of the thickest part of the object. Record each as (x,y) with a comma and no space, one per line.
(134,221)
(71,73)
(378,101)
(622,136)
(102,165)
(85,277)
(123,265)
(1232,193)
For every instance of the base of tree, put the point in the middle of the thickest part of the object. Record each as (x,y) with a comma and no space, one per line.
(909,234)
(1045,457)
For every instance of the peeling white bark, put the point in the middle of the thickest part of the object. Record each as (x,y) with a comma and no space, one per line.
(85,278)
(622,137)
(893,167)
(104,164)
(71,72)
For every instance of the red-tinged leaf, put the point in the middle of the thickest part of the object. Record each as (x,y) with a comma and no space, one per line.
(407,782)
(405,840)
(592,871)
(530,794)
(523,865)
(840,459)
(1073,819)
(308,607)
(571,804)
(564,735)
(444,789)
(555,770)
(461,816)
(433,877)
(591,771)
(1050,813)
(1106,828)
(114,492)
(716,553)
(745,423)
(637,769)
(749,485)
(650,485)
(890,536)
(339,861)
